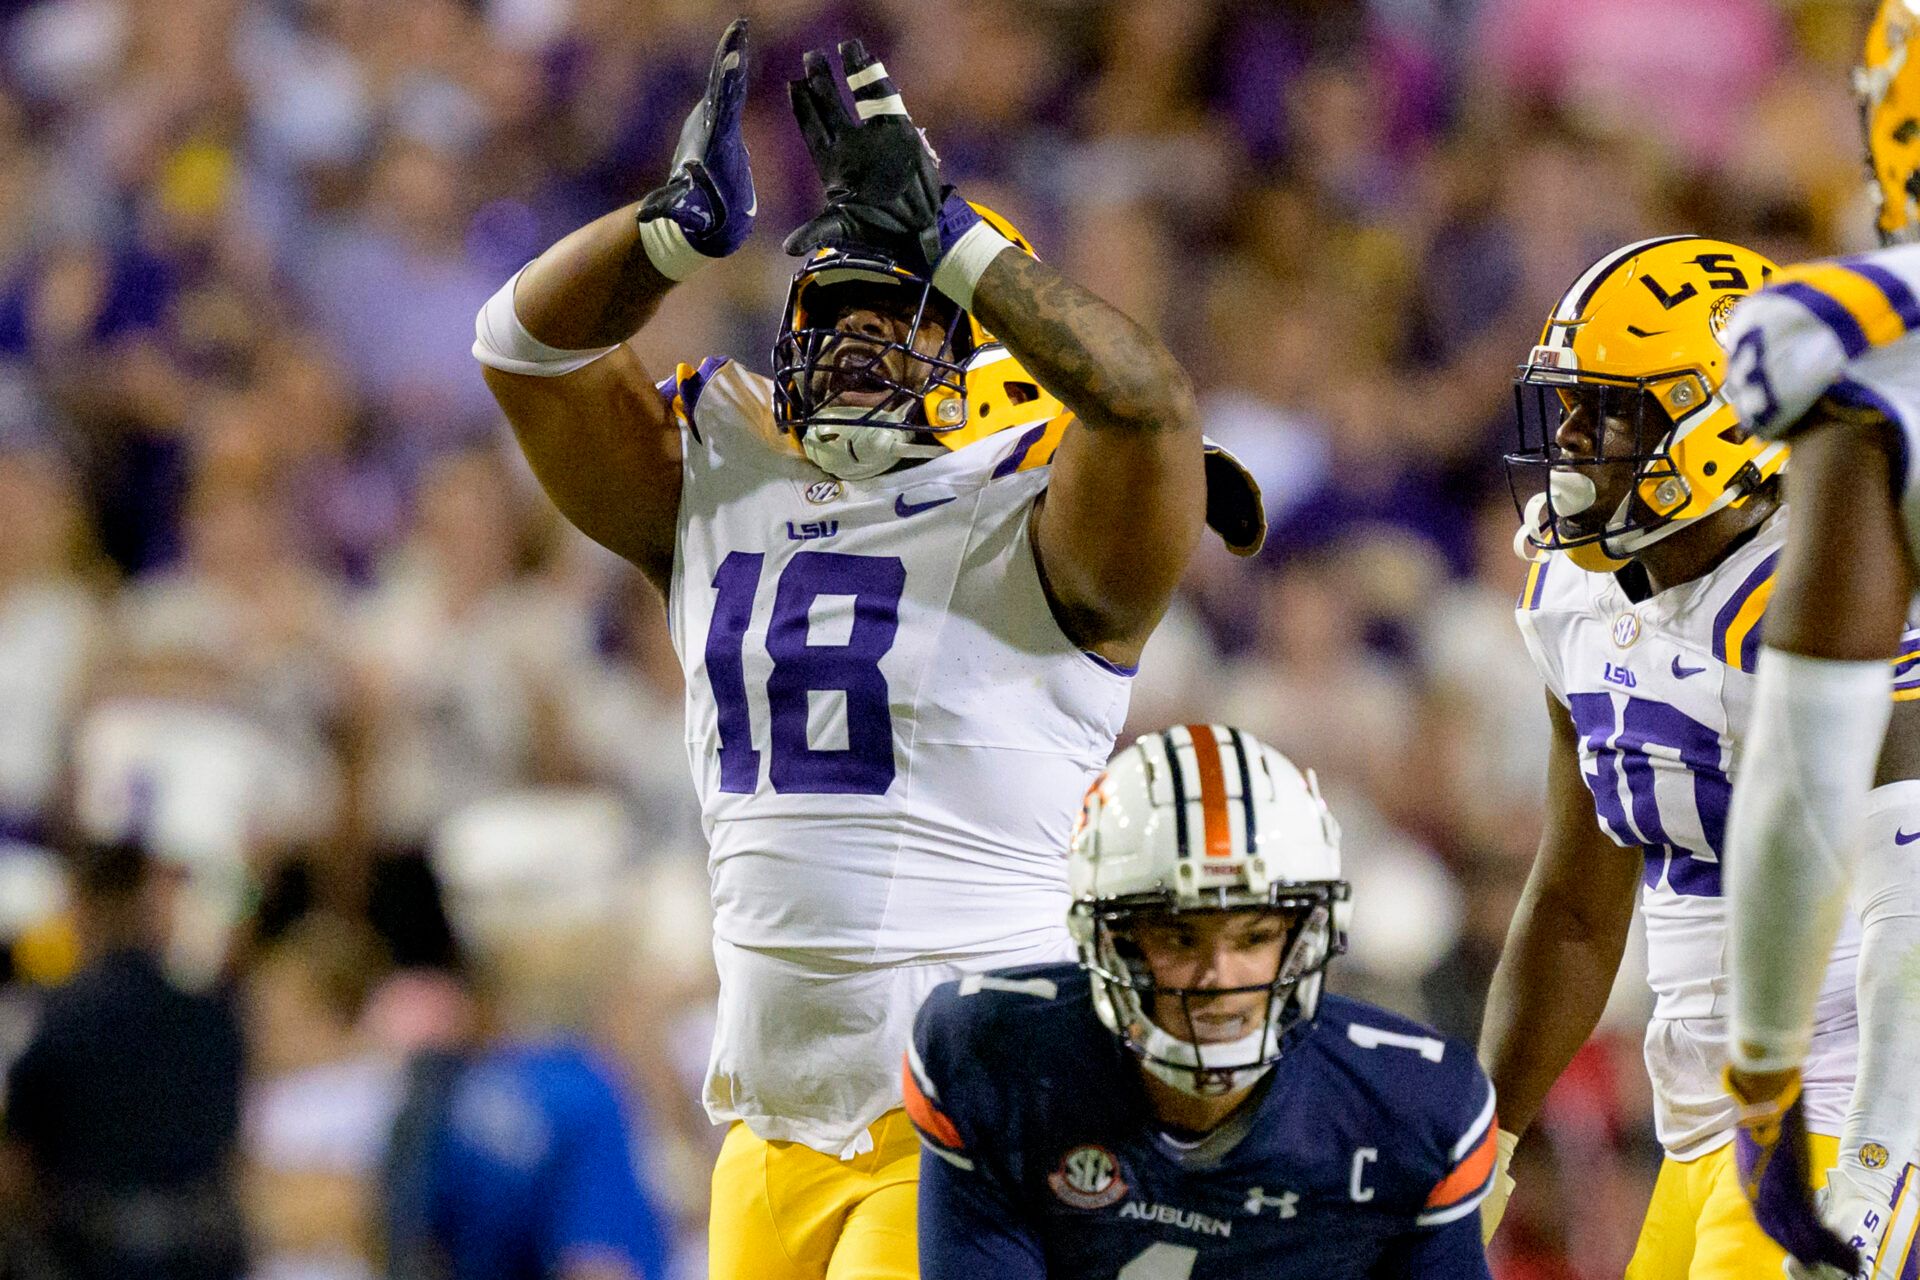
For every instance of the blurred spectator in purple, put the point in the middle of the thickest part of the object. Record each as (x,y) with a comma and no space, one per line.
(394,293)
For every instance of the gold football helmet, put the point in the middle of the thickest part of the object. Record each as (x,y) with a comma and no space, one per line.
(1888,85)
(1636,339)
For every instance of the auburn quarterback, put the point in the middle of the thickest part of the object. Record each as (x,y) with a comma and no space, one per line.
(908,578)
(1186,1103)
(1653,535)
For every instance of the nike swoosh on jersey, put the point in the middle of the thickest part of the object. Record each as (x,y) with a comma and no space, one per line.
(901,507)
(1905,837)
(1681,673)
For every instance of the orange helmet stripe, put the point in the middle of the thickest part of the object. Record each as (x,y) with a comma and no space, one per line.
(1213,790)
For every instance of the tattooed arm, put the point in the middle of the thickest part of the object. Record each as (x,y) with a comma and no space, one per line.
(1127,496)
(600,439)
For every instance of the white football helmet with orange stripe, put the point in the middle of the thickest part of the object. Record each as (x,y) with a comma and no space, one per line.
(1205,818)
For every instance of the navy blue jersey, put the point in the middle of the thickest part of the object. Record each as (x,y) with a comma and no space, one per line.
(1365,1153)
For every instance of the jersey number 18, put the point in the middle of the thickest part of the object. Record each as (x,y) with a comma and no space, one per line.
(802,668)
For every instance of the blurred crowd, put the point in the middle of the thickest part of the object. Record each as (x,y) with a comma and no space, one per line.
(277,593)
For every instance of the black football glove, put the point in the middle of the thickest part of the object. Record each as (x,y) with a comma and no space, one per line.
(883,181)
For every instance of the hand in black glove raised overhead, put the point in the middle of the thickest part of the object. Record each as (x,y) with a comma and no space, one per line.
(883,180)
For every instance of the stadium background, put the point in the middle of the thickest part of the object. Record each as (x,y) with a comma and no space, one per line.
(275,587)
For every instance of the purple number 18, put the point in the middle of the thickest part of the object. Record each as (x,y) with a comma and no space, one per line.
(801,667)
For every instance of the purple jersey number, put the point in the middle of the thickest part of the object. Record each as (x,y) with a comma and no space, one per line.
(801,668)
(1626,735)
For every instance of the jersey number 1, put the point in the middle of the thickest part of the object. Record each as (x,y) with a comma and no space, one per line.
(802,668)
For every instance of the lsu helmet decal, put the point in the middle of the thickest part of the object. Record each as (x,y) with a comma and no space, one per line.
(1204,818)
(1887,84)
(856,419)
(1625,434)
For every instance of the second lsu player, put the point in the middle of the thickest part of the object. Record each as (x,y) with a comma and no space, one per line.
(907,577)
(1654,544)
(1826,823)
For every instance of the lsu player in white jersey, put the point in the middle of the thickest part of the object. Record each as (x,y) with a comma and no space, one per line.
(908,579)
(1653,539)
(1826,819)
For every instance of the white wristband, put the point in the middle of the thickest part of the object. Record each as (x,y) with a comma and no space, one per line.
(666,244)
(967,261)
(501,342)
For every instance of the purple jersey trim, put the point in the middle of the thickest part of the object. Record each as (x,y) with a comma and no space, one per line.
(1853,340)
(1116,668)
(1891,286)
(1018,454)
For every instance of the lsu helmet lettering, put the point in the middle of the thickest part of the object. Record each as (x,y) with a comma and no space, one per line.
(968,388)
(1204,817)
(1887,84)
(1637,337)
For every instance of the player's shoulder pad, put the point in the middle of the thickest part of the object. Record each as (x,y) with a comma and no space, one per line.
(1554,592)
(1434,1094)
(970,1037)
(1033,449)
(1553,584)
(720,401)
(1738,592)
(1547,569)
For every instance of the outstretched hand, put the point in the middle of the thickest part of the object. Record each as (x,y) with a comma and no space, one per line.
(884,190)
(709,192)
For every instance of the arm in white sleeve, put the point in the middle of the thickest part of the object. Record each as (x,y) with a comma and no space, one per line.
(501,342)
(1793,841)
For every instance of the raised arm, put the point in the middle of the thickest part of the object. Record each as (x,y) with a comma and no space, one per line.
(553,339)
(1128,492)
(1563,948)
(1816,829)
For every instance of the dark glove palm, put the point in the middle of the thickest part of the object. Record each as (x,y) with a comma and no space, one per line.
(883,181)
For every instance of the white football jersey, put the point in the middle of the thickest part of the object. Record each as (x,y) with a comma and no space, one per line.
(890,736)
(1845,329)
(1660,692)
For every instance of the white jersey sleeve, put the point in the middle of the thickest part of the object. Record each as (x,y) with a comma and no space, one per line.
(1844,329)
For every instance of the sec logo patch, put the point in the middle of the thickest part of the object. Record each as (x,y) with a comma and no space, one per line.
(1088,1178)
(821,492)
(1626,629)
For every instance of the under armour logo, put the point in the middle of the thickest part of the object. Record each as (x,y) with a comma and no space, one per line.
(1285,1202)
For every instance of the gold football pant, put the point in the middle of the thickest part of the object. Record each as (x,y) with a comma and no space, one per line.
(1699,1226)
(783,1211)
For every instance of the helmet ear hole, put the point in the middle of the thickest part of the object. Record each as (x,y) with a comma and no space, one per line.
(1022,392)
